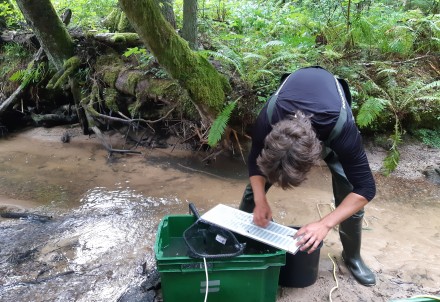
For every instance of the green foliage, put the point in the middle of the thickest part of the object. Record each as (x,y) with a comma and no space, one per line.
(10,14)
(32,74)
(430,137)
(370,110)
(391,161)
(401,102)
(135,51)
(142,56)
(377,50)
(14,51)
(86,13)
(220,123)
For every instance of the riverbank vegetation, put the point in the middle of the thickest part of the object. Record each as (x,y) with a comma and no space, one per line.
(142,76)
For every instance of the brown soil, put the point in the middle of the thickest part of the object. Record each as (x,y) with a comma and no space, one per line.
(400,241)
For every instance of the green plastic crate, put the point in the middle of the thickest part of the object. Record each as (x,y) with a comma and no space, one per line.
(251,277)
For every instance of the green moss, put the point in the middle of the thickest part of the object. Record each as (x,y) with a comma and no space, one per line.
(110,76)
(69,67)
(108,60)
(109,66)
(110,98)
(125,37)
(209,85)
(134,108)
(111,20)
(161,87)
(131,81)
(124,25)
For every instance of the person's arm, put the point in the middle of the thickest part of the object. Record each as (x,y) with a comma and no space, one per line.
(262,211)
(352,156)
(313,233)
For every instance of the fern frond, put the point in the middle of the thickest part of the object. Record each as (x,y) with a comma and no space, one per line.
(332,54)
(425,98)
(221,57)
(18,75)
(31,74)
(391,161)
(273,43)
(265,71)
(249,55)
(219,125)
(433,85)
(282,58)
(388,71)
(370,110)
(428,98)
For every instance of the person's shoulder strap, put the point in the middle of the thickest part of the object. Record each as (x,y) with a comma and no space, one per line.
(346,89)
(271,106)
(273,99)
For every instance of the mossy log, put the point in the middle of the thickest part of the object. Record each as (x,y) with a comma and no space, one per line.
(205,85)
(114,39)
(143,87)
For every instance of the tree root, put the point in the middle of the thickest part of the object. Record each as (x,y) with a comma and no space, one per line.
(69,67)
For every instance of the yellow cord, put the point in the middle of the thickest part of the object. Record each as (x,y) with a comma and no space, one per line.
(365,224)
(334,276)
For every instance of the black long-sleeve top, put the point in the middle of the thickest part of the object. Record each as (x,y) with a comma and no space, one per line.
(313,91)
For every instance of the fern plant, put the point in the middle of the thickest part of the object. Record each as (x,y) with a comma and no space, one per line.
(402,103)
(32,74)
(219,125)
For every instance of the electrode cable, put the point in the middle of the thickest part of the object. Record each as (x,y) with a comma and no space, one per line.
(206,274)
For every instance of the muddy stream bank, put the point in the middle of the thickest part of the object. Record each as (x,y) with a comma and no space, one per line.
(105,212)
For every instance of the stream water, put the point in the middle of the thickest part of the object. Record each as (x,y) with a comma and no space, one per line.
(105,213)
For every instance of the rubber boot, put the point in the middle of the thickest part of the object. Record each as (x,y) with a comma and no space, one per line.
(350,232)
(247,203)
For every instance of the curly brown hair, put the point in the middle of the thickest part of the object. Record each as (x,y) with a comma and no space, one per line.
(290,150)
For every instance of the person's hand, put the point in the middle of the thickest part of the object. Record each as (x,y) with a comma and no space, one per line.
(312,234)
(262,214)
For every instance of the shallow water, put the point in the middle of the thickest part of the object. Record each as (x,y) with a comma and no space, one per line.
(106,213)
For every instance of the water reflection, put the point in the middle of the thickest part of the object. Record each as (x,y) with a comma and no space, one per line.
(91,253)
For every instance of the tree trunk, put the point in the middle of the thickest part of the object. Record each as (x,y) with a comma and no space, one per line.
(168,12)
(205,85)
(50,31)
(189,30)
(55,41)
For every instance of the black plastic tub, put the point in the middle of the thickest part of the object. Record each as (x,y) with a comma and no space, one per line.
(301,269)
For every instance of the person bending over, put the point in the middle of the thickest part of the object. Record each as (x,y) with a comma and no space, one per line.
(309,117)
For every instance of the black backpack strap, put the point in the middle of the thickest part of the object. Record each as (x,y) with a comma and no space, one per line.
(342,113)
(338,126)
(273,99)
(271,106)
